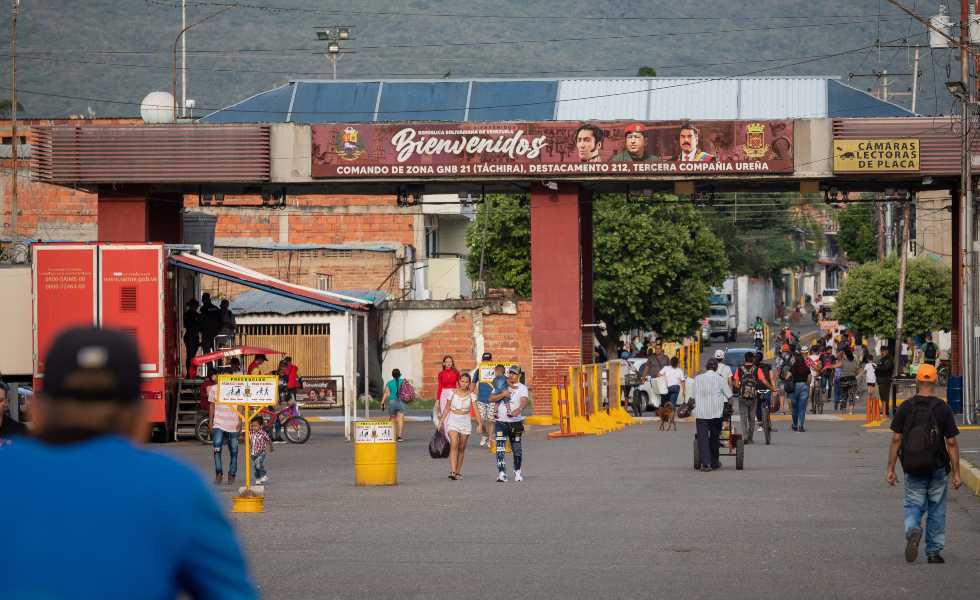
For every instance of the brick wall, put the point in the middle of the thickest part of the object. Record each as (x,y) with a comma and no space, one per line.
(550,365)
(47,212)
(506,336)
(349,269)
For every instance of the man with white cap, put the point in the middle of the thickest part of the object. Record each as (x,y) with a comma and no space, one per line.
(724,370)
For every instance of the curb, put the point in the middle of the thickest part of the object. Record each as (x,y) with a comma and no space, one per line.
(970,476)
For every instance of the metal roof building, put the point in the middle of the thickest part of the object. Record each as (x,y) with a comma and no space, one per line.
(475,100)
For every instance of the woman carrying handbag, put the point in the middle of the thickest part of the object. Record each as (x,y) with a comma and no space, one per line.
(457,422)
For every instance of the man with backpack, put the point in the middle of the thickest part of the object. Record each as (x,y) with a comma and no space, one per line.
(924,439)
(749,381)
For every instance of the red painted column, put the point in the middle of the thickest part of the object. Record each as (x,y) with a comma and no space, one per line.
(561,286)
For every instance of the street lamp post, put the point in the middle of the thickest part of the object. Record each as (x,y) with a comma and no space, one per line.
(173,70)
(333,36)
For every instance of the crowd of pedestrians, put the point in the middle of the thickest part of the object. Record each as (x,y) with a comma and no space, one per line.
(206,326)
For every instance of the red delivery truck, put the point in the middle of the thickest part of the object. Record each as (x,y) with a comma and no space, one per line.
(142,288)
(107,285)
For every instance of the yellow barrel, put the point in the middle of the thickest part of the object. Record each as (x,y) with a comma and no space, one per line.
(375,453)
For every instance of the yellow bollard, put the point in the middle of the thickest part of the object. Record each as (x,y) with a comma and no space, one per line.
(375,453)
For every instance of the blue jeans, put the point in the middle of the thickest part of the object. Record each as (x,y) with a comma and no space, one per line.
(801,394)
(218,437)
(672,392)
(508,431)
(927,495)
(258,464)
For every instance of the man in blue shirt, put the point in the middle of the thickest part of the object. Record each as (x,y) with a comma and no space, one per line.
(97,516)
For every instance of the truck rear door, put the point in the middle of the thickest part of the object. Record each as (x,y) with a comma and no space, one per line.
(131,298)
(65,294)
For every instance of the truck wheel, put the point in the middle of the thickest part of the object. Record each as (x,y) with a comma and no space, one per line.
(739,454)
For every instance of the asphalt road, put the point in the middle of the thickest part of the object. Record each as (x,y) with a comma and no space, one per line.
(618,516)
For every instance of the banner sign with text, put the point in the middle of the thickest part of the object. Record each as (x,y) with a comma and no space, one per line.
(552,149)
(876,156)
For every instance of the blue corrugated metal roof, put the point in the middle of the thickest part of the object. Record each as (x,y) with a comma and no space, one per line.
(259,302)
(479,100)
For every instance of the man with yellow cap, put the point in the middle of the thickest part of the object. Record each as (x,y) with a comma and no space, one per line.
(924,437)
(636,145)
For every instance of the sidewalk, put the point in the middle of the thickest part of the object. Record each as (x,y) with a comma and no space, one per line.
(969,441)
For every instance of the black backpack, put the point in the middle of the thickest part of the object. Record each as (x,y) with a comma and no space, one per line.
(929,350)
(920,448)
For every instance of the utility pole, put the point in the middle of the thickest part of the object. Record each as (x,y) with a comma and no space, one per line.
(900,320)
(183,59)
(15,8)
(967,335)
(889,229)
(881,232)
(915,78)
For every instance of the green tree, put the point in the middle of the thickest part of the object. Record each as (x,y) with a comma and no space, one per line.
(501,234)
(646,72)
(6,105)
(653,263)
(868,300)
(857,236)
(764,233)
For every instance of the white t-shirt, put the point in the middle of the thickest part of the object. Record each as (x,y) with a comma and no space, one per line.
(517,392)
(725,371)
(225,417)
(869,373)
(673,375)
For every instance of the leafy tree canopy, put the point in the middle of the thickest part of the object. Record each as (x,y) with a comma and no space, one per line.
(654,262)
(868,299)
(646,72)
(857,236)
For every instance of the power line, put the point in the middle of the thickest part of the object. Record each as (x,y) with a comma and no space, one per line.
(415,46)
(540,17)
(500,106)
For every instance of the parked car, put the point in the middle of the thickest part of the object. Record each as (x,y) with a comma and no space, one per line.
(722,323)
(735,357)
(829,296)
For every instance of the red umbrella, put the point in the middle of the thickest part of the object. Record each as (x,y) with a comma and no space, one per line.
(229,353)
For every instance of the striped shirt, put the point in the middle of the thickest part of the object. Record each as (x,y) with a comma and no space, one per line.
(710,391)
(259,442)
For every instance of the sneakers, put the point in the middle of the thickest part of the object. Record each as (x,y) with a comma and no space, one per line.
(518,476)
(218,477)
(912,544)
(501,477)
(484,440)
(262,480)
(936,559)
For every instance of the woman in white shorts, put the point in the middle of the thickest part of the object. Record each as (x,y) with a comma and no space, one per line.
(458,421)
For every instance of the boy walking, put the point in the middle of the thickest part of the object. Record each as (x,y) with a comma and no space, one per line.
(510,423)
(259,445)
(925,439)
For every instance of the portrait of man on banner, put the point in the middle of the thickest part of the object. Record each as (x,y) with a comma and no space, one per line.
(688,140)
(635,149)
(588,143)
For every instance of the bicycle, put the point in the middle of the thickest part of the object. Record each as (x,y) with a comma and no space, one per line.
(295,427)
(764,399)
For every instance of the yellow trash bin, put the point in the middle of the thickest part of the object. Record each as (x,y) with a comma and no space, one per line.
(375,453)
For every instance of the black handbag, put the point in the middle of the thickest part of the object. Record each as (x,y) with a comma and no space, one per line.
(438,445)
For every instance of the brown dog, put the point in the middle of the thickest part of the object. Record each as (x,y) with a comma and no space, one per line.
(667,416)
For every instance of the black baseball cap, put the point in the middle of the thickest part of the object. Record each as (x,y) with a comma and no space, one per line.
(486,356)
(514,369)
(92,364)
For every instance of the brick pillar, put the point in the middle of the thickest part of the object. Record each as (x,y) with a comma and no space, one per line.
(561,277)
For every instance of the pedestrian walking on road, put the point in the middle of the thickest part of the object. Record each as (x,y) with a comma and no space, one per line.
(749,381)
(396,408)
(459,423)
(447,380)
(485,409)
(226,426)
(510,424)
(801,388)
(723,369)
(930,351)
(924,438)
(260,446)
(710,392)
(884,370)
(675,380)
(92,514)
